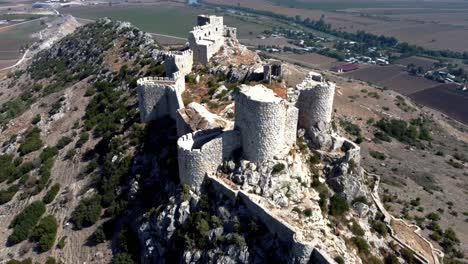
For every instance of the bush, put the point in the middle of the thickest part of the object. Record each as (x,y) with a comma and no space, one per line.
(64,141)
(61,243)
(25,221)
(122,258)
(87,212)
(99,236)
(338,205)
(380,228)
(339,260)
(433,216)
(279,167)
(308,212)
(84,137)
(32,142)
(361,244)
(50,196)
(45,233)
(7,195)
(50,260)
(36,119)
(377,155)
(48,153)
(25,261)
(407,255)
(356,229)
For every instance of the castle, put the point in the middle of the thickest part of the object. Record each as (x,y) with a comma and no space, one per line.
(265,125)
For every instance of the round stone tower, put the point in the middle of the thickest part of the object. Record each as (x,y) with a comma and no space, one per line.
(315,105)
(262,119)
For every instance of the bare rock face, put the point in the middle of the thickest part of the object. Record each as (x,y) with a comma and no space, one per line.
(342,180)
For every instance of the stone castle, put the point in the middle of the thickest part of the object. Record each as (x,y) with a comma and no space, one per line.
(265,125)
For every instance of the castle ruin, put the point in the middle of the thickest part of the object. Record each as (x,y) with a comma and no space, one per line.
(207,38)
(265,128)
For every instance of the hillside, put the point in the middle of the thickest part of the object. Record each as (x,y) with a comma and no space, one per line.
(69,112)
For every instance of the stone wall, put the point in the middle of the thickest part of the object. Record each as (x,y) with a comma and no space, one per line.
(158,97)
(208,37)
(200,153)
(264,121)
(178,62)
(301,251)
(316,105)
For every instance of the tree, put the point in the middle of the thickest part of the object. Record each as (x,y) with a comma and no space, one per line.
(88,212)
(338,205)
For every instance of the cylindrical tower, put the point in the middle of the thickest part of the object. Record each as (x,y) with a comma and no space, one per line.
(260,117)
(315,103)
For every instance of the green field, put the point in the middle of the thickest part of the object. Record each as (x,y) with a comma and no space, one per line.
(337,5)
(155,18)
(13,39)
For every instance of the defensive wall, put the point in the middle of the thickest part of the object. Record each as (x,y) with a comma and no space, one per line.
(159,96)
(267,123)
(178,62)
(201,153)
(301,251)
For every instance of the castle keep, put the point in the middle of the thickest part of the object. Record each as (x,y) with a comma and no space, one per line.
(207,38)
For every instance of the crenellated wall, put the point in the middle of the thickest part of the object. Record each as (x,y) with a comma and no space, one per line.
(266,123)
(201,153)
(159,96)
(178,62)
(208,37)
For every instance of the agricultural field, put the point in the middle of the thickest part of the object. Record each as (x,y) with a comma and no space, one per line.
(155,18)
(434,25)
(442,97)
(425,63)
(13,38)
(311,60)
(445,98)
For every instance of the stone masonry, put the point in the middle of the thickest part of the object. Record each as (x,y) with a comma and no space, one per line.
(267,123)
(207,38)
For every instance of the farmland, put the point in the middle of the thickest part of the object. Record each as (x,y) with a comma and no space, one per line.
(155,18)
(14,38)
(428,24)
(443,97)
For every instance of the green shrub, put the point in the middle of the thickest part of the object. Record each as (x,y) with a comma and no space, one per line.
(32,141)
(25,261)
(407,255)
(361,244)
(308,212)
(50,260)
(339,260)
(356,229)
(391,259)
(351,128)
(338,205)
(84,137)
(48,153)
(7,195)
(51,194)
(45,233)
(61,243)
(63,141)
(380,228)
(70,154)
(87,212)
(122,258)
(377,155)
(36,119)
(25,221)
(99,236)
(277,168)
(433,216)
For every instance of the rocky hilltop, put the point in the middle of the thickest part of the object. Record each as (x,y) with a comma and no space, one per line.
(95,166)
